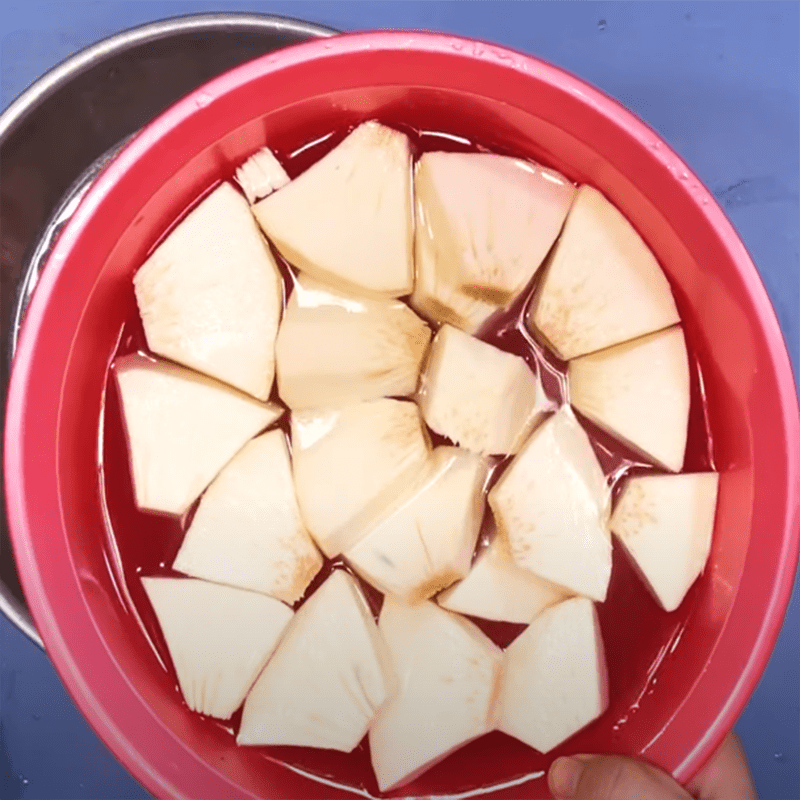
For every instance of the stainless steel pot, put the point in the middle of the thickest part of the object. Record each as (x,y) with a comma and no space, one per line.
(57,136)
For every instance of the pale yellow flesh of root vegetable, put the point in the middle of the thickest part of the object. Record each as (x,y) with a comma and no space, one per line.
(261,175)
(426,541)
(210,295)
(552,506)
(347,220)
(350,463)
(555,676)
(448,676)
(218,637)
(334,349)
(182,428)
(484,225)
(497,589)
(666,523)
(639,392)
(247,530)
(479,396)
(327,678)
(603,284)
(436,285)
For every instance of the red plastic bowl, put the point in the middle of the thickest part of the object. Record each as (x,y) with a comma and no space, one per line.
(709,654)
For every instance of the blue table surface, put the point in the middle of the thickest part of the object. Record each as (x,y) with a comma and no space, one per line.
(718,80)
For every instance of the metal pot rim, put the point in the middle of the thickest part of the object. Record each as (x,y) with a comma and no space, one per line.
(90,56)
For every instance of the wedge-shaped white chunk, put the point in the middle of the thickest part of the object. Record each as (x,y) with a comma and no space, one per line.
(666,523)
(328,677)
(437,293)
(347,219)
(494,219)
(555,677)
(477,395)
(426,541)
(333,349)
(552,506)
(497,589)
(261,175)
(448,675)
(247,530)
(210,295)
(603,285)
(218,637)
(350,463)
(182,429)
(639,392)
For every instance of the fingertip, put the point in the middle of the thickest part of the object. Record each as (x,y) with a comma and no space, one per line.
(564,776)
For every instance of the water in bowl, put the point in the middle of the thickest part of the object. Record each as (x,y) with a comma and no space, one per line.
(639,637)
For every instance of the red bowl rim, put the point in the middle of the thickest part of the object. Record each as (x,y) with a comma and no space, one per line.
(26,430)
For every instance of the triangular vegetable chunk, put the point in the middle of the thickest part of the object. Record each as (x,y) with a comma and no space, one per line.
(603,285)
(448,675)
(496,217)
(182,429)
(477,395)
(247,530)
(334,349)
(350,463)
(218,637)
(426,542)
(347,219)
(210,295)
(327,678)
(666,523)
(261,175)
(555,677)
(552,505)
(639,392)
(437,293)
(497,589)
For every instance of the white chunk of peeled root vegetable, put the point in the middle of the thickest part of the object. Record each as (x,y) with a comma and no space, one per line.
(492,218)
(182,428)
(555,676)
(552,506)
(426,542)
(218,637)
(479,396)
(347,220)
(497,589)
(247,530)
(603,285)
(638,392)
(666,523)
(327,678)
(261,175)
(333,349)
(437,294)
(210,295)
(448,676)
(351,462)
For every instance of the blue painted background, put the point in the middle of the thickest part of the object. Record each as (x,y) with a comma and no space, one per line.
(718,80)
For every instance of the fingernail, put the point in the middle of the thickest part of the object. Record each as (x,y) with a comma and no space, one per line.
(564,776)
